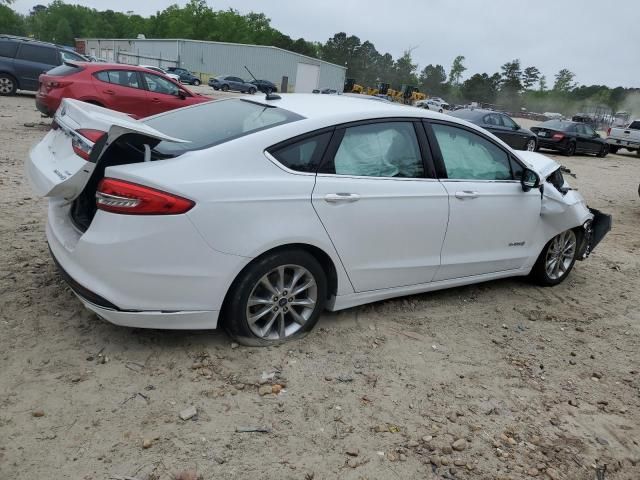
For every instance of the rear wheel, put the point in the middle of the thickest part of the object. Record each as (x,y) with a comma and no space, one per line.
(531,145)
(604,150)
(613,149)
(225,88)
(196,82)
(275,299)
(556,259)
(252,91)
(571,149)
(8,84)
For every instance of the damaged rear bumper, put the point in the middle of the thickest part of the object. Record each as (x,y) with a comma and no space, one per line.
(594,231)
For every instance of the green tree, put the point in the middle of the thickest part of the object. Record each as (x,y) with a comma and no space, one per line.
(481,88)
(457,69)
(530,77)
(512,76)
(432,79)
(405,70)
(543,84)
(11,22)
(564,81)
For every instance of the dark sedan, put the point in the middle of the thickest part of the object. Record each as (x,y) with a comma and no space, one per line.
(570,138)
(265,86)
(185,75)
(229,82)
(501,125)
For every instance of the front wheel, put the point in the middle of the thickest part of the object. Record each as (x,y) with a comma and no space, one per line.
(531,145)
(196,82)
(225,88)
(252,91)
(604,150)
(556,259)
(276,299)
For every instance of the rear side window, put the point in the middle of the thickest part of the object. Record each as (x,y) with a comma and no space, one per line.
(305,155)
(125,78)
(212,123)
(468,156)
(635,125)
(38,54)
(64,70)
(378,150)
(8,48)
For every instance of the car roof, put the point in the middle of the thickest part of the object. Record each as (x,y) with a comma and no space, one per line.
(108,66)
(344,108)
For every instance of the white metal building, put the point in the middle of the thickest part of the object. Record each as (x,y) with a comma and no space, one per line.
(208,59)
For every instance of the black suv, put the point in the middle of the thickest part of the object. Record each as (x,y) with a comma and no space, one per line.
(185,75)
(22,60)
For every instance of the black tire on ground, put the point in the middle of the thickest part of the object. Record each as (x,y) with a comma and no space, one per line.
(269,90)
(8,84)
(196,82)
(613,149)
(534,145)
(252,91)
(216,88)
(571,149)
(539,273)
(234,313)
(225,88)
(604,150)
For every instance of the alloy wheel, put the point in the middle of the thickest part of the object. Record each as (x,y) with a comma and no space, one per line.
(281,302)
(560,254)
(6,86)
(531,145)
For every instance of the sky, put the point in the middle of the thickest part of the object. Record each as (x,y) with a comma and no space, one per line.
(597,40)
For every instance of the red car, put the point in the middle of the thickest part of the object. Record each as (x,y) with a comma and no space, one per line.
(138,91)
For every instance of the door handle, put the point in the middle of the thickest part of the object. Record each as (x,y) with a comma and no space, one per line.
(466,194)
(341,197)
(109,92)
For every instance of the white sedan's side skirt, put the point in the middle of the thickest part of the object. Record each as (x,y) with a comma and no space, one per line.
(354,299)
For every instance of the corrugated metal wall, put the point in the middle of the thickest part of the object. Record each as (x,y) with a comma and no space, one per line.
(215,58)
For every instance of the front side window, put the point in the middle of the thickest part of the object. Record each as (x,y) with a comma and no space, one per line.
(305,155)
(492,119)
(468,156)
(38,54)
(158,84)
(507,122)
(379,150)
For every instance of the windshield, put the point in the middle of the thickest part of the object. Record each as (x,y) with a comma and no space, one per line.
(213,123)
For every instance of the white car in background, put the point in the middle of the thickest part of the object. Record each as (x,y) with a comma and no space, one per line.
(293,205)
(161,71)
(436,104)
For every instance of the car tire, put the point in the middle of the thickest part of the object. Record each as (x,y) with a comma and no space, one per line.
(225,88)
(252,91)
(196,82)
(261,289)
(531,145)
(216,88)
(8,85)
(604,150)
(613,149)
(440,111)
(571,149)
(556,259)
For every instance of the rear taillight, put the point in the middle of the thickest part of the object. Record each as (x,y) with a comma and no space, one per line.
(609,132)
(119,196)
(81,146)
(53,84)
(558,136)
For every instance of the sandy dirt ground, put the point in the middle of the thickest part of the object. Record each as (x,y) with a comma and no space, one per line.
(502,380)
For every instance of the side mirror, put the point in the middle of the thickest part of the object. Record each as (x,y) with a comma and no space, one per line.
(529,180)
(182,95)
(517,127)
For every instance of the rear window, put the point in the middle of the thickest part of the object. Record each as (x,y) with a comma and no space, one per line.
(465,114)
(38,54)
(556,125)
(64,70)
(635,125)
(213,123)
(8,48)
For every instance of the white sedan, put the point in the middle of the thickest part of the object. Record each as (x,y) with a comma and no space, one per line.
(258,214)
(436,104)
(161,71)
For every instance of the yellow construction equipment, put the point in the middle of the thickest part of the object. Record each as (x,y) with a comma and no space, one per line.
(357,88)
